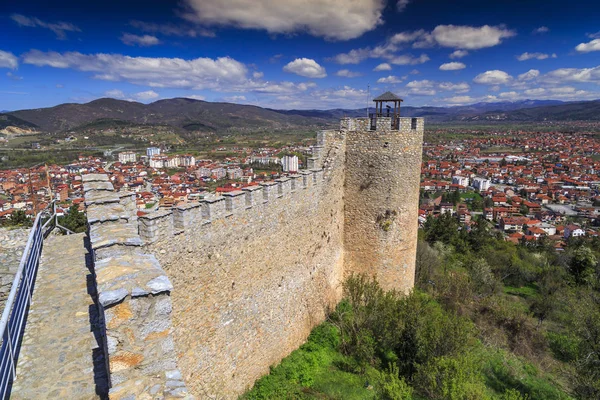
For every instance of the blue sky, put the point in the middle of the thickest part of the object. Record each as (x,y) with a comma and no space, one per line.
(298,53)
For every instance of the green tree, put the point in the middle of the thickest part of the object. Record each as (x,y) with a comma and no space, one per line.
(19,218)
(583,264)
(74,220)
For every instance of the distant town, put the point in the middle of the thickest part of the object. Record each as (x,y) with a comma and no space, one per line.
(532,186)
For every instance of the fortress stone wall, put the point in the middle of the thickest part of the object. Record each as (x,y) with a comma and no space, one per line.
(255,270)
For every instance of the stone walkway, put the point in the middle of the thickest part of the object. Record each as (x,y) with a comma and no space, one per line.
(59,355)
(12,243)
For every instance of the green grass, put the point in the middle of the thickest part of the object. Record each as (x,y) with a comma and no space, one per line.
(525,292)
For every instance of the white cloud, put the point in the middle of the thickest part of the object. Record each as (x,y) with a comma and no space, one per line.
(535,92)
(383,67)
(538,56)
(594,45)
(452,66)
(401,5)
(408,59)
(171,30)
(407,37)
(460,87)
(459,100)
(389,79)
(529,75)
(347,73)
(235,99)
(593,35)
(115,94)
(458,54)
(494,77)
(573,75)
(332,19)
(257,75)
(470,37)
(509,95)
(136,40)
(8,60)
(59,28)
(223,73)
(541,29)
(428,87)
(195,97)
(306,67)
(147,95)
(422,88)
(352,57)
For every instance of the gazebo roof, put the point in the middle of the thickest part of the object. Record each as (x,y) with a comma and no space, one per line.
(387,96)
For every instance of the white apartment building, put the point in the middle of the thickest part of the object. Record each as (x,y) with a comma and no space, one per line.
(127,157)
(460,180)
(481,184)
(290,163)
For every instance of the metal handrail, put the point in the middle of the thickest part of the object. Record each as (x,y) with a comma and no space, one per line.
(14,316)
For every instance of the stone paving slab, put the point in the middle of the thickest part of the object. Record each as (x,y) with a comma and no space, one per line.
(106,212)
(94,178)
(111,233)
(129,274)
(56,360)
(100,197)
(97,185)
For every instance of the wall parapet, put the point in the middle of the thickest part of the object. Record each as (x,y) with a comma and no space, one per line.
(162,224)
(133,296)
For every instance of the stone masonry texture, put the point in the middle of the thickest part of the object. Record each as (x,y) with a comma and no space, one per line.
(207,295)
(256,270)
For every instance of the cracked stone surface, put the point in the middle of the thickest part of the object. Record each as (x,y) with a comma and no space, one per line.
(106,212)
(97,185)
(59,349)
(100,197)
(111,233)
(129,274)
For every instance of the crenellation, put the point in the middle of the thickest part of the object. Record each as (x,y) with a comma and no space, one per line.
(235,202)
(269,191)
(254,196)
(284,186)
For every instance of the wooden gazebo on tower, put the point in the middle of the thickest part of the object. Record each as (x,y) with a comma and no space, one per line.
(392,112)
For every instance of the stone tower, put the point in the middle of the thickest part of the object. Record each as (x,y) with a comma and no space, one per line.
(381,195)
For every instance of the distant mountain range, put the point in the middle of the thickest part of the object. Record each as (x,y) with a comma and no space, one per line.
(191,115)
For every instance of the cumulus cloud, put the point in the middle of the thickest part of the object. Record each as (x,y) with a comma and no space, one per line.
(347,73)
(389,80)
(136,40)
(383,67)
(331,19)
(581,75)
(452,66)
(460,37)
(305,67)
(146,96)
(460,87)
(171,29)
(470,37)
(594,45)
(529,75)
(456,100)
(408,59)
(494,77)
(223,73)
(538,56)
(428,87)
(541,29)
(458,54)
(59,28)
(401,5)
(235,99)
(8,60)
(115,94)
